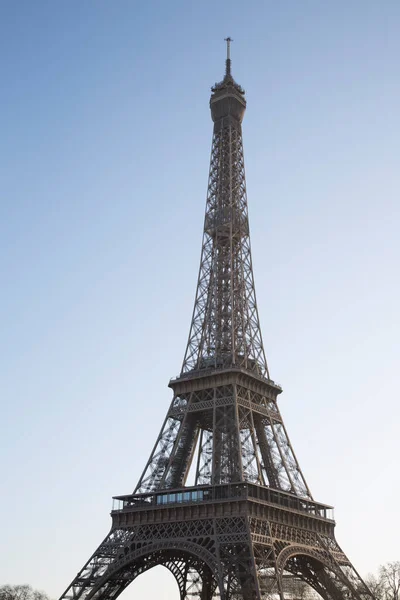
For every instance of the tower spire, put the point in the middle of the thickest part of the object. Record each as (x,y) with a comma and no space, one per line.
(228,41)
(225,330)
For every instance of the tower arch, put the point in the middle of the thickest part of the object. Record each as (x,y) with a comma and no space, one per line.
(319,570)
(193,567)
(157,583)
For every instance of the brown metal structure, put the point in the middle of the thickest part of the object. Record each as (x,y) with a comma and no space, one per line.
(249,520)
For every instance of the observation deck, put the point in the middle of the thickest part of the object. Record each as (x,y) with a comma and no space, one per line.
(220,500)
(209,376)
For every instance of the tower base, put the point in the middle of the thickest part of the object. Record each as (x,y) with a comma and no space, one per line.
(232,542)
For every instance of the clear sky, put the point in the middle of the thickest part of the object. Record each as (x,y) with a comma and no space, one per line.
(104,148)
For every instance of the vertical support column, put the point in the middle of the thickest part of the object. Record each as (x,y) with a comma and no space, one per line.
(273,478)
(207,585)
(237,446)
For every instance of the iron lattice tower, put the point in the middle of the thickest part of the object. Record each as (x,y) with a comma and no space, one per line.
(249,521)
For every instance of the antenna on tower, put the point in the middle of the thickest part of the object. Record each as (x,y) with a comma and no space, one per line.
(228,41)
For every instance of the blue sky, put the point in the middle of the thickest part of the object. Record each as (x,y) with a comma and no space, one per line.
(105,142)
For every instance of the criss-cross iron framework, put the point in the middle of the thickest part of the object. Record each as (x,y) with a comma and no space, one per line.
(249,518)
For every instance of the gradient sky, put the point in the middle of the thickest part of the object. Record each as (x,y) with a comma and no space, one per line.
(105,144)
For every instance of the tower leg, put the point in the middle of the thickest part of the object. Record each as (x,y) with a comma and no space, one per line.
(328,580)
(207,587)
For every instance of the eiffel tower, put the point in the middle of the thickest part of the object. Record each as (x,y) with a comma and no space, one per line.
(249,520)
